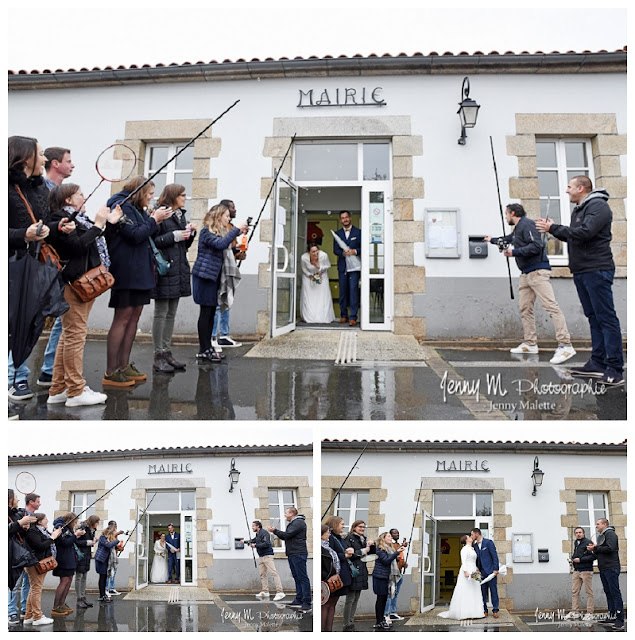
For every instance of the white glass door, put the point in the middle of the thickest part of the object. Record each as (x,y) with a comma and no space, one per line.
(283,257)
(188,549)
(141,549)
(428,562)
(377,257)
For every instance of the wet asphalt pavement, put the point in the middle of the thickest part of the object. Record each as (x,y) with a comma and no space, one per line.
(242,388)
(228,613)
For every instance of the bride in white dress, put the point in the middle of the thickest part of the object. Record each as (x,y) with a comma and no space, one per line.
(467,598)
(316,304)
(159,571)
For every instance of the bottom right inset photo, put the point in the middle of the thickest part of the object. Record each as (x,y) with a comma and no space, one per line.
(458,535)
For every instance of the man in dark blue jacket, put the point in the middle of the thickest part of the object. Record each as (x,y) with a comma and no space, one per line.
(348,277)
(582,564)
(591,263)
(262,544)
(531,257)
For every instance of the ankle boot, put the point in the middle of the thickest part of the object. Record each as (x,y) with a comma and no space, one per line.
(161,365)
(171,361)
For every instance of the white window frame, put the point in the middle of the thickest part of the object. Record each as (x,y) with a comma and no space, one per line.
(563,199)
(171,172)
(179,509)
(353,512)
(589,530)
(87,497)
(278,543)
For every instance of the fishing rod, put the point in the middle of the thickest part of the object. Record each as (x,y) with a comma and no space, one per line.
(120,551)
(96,501)
(178,153)
(337,493)
(414,517)
(273,184)
(500,206)
(253,553)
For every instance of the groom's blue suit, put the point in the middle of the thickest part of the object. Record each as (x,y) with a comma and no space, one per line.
(487,561)
(348,281)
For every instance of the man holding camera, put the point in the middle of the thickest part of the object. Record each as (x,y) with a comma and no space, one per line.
(530,252)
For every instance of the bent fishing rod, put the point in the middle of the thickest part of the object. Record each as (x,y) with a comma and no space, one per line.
(337,493)
(414,518)
(253,553)
(120,551)
(178,153)
(500,206)
(273,184)
(96,501)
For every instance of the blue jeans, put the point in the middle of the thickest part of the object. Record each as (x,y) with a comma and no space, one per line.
(22,372)
(223,320)
(174,565)
(611,583)
(51,347)
(391,603)
(24,594)
(297,564)
(493,589)
(595,290)
(110,581)
(349,294)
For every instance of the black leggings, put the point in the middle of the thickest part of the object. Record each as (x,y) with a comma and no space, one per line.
(205,326)
(380,607)
(102,584)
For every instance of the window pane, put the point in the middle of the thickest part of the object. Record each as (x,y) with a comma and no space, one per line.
(326,162)
(483,504)
(573,174)
(344,501)
(185,160)
(184,179)
(158,157)
(554,209)
(274,511)
(273,496)
(376,162)
(159,184)
(548,183)
(453,504)
(287,497)
(163,501)
(546,154)
(598,501)
(583,518)
(582,500)
(599,513)
(362,500)
(188,500)
(576,154)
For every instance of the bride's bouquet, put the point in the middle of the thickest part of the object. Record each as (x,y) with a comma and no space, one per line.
(317,277)
(476,576)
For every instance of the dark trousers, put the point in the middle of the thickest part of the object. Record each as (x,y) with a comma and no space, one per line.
(492,587)
(595,290)
(174,564)
(349,294)
(380,606)
(297,564)
(611,583)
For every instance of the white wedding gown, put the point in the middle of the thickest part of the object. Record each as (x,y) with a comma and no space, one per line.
(316,304)
(159,571)
(467,598)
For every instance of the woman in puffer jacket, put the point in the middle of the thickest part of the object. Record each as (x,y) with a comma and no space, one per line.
(66,560)
(213,240)
(381,575)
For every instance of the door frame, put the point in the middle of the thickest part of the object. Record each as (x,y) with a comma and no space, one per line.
(142,550)
(429,553)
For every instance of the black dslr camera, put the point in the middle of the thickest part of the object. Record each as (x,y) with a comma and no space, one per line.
(502,244)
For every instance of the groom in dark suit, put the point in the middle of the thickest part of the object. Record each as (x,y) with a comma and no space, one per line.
(174,562)
(348,280)
(487,562)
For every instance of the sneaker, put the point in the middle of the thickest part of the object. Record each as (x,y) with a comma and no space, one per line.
(279,595)
(294,605)
(226,341)
(588,370)
(562,354)
(619,626)
(262,594)
(86,398)
(305,608)
(14,619)
(20,391)
(45,379)
(612,378)
(382,625)
(104,599)
(57,398)
(43,620)
(114,592)
(27,621)
(117,379)
(133,373)
(209,356)
(65,607)
(523,347)
(388,621)
(572,615)
(216,346)
(58,613)
(395,616)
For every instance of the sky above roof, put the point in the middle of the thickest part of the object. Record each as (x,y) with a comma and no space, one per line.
(63,36)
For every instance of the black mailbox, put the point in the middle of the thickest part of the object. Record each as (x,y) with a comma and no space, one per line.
(543,555)
(238,543)
(478,247)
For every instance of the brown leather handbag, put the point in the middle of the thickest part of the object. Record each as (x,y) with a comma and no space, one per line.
(335,582)
(93,283)
(46,565)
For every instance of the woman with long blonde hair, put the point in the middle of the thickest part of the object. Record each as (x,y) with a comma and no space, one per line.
(107,542)
(386,554)
(215,238)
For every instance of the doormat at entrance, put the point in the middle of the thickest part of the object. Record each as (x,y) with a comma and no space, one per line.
(431,618)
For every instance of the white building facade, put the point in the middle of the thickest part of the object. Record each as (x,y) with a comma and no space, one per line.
(377,136)
(190,488)
(438,491)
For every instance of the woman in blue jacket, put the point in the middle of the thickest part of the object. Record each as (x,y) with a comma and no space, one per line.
(386,554)
(215,237)
(132,265)
(107,540)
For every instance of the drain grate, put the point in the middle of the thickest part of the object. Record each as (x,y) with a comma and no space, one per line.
(347,348)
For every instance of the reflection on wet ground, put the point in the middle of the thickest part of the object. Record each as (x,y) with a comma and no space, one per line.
(268,389)
(230,613)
